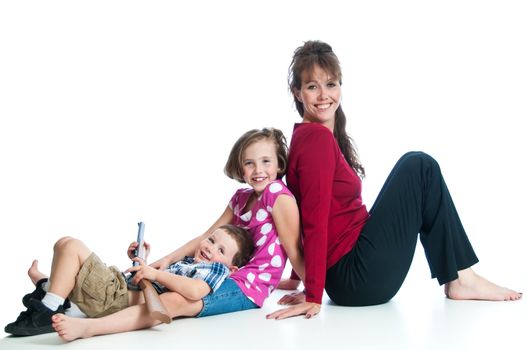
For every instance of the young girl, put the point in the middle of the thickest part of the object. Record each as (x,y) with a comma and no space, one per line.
(267,210)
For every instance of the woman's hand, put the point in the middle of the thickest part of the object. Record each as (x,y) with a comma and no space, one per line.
(292,298)
(288,284)
(142,271)
(132,248)
(305,308)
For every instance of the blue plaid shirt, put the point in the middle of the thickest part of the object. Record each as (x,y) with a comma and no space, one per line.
(211,273)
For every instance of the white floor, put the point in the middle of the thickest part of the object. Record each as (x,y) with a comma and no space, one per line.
(108,109)
(419,317)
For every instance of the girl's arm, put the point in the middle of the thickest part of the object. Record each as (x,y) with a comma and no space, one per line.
(287,221)
(189,247)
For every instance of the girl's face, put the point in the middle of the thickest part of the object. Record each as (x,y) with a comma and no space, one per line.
(260,164)
(320,95)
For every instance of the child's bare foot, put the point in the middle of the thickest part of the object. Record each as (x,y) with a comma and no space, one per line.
(470,286)
(34,273)
(70,328)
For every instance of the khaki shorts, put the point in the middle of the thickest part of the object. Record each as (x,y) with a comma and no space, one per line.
(99,290)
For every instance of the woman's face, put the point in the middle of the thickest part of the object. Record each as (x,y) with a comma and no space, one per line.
(320,95)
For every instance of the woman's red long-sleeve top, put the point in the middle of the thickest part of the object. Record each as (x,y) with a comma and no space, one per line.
(328,192)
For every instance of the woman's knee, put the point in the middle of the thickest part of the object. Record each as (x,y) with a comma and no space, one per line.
(418,159)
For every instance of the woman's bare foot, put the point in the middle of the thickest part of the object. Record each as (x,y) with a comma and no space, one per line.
(470,286)
(71,328)
(34,273)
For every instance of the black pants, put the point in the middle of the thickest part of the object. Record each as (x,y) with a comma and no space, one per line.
(414,200)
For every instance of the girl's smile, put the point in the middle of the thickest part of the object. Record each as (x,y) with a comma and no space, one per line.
(260,164)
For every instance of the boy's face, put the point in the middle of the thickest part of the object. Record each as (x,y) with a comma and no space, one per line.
(218,247)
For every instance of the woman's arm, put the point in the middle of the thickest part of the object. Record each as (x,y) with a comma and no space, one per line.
(287,221)
(315,166)
(188,248)
(315,169)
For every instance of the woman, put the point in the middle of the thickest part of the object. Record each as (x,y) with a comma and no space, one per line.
(362,258)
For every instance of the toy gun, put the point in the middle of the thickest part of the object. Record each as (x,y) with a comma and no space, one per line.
(154,304)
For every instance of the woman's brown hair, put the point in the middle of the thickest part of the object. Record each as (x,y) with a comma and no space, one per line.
(305,58)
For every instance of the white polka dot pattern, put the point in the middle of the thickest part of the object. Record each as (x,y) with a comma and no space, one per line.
(261,215)
(247,216)
(261,275)
(276,261)
(266,228)
(265,276)
(275,187)
(261,241)
(251,277)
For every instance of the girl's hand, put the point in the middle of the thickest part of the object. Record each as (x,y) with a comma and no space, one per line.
(305,308)
(292,299)
(161,264)
(288,284)
(133,246)
(142,271)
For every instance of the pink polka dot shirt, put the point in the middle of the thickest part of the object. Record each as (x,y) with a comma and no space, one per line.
(260,276)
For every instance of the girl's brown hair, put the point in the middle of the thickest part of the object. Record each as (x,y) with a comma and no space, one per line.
(234,166)
(305,58)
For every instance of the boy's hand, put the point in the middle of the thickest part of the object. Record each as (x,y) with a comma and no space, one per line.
(142,271)
(133,246)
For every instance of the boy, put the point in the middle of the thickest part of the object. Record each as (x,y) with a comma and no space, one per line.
(99,290)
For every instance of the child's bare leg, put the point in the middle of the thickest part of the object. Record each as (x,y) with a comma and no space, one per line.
(471,286)
(34,273)
(68,256)
(177,305)
(132,318)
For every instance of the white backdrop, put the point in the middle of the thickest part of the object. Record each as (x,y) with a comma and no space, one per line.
(114,112)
